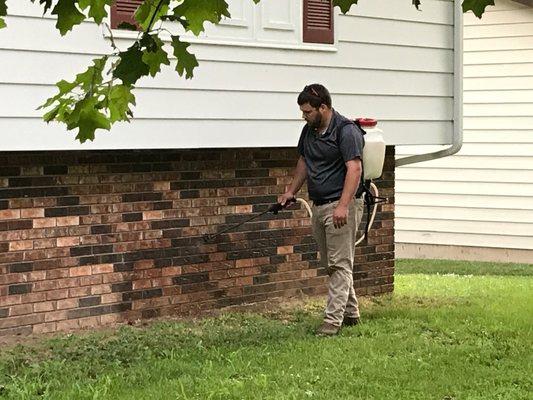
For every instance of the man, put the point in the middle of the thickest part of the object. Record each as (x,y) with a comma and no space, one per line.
(331,148)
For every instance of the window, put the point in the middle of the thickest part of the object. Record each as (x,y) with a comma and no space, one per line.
(122,11)
(318,21)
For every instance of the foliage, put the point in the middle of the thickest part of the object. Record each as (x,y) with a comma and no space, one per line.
(93,100)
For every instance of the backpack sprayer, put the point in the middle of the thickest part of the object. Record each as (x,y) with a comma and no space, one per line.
(373,160)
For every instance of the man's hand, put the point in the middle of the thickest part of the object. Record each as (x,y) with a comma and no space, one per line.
(340,216)
(286,198)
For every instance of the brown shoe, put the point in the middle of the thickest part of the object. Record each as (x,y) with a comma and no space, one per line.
(327,329)
(350,321)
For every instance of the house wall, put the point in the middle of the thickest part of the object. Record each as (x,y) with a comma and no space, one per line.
(389,61)
(94,238)
(478,204)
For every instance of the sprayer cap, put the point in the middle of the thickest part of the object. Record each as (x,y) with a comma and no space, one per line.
(367,122)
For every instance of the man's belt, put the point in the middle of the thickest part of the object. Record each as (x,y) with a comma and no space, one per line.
(321,202)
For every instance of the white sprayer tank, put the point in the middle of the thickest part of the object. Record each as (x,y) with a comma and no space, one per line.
(374,150)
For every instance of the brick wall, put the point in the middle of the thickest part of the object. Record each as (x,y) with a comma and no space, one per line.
(92,238)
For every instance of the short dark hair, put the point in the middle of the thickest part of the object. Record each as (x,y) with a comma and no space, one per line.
(315,94)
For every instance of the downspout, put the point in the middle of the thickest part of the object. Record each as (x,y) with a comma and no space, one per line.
(457,139)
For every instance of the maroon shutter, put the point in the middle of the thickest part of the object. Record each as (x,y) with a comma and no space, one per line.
(122,11)
(318,21)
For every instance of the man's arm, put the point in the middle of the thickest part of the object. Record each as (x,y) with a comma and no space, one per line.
(351,183)
(300,175)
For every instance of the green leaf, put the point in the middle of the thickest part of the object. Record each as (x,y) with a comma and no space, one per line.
(196,12)
(59,111)
(185,60)
(118,101)
(91,120)
(344,5)
(64,88)
(67,15)
(154,55)
(97,8)
(3,13)
(87,118)
(93,76)
(131,66)
(127,26)
(476,6)
(47,4)
(149,12)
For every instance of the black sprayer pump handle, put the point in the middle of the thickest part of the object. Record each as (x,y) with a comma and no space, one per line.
(277,207)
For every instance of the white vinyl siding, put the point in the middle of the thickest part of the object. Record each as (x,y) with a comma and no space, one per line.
(389,61)
(483,196)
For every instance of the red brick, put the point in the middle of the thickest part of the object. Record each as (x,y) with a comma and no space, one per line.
(21,245)
(80,271)
(111,298)
(150,215)
(79,291)
(161,186)
(245,262)
(45,202)
(91,280)
(33,297)
(57,273)
(20,309)
(68,241)
(32,213)
(114,277)
(171,271)
(57,294)
(68,221)
(89,322)
(21,320)
(44,243)
(68,325)
(142,284)
(44,223)
(66,304)
(100,289)
(44,306)
(9,214)
(45,285)
(11,235)
(102,268)
(47,327)
(36,276)
(244,281)
(161,282)
(143,264)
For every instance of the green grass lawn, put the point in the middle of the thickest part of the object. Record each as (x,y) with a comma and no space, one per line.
(463,331)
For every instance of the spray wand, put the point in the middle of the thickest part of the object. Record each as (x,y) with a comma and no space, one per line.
(274,208)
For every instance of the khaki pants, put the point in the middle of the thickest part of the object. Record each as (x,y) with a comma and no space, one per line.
(336,247)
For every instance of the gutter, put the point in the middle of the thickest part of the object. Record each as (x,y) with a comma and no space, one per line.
(457,138)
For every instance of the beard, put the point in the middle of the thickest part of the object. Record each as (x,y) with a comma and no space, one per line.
(315,124)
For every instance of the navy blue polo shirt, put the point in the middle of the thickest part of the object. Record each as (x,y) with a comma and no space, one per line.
(325,156)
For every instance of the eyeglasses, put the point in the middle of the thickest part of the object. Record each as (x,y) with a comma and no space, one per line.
(312,90)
